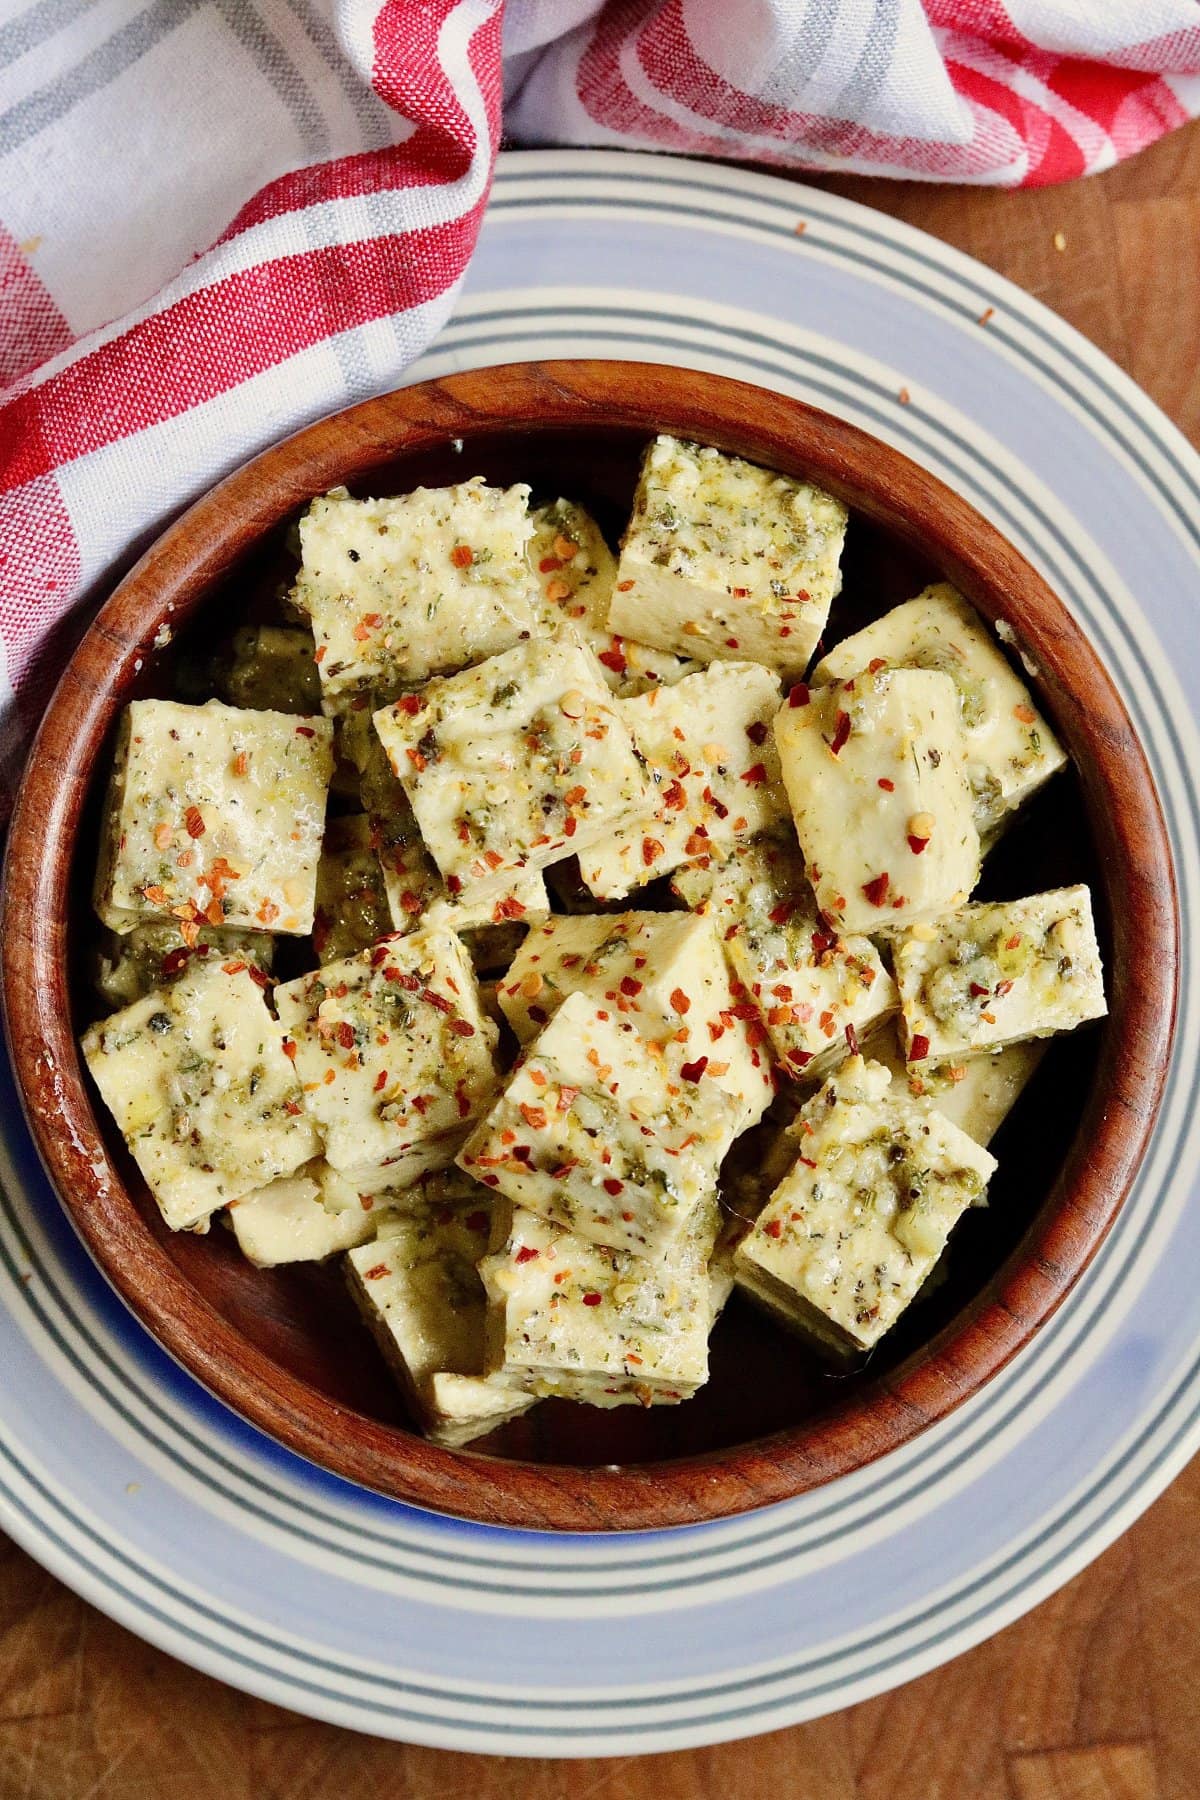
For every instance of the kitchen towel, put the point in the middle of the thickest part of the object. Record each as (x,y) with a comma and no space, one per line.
(222,218)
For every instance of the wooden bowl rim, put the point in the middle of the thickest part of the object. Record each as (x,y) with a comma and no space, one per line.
(176,574)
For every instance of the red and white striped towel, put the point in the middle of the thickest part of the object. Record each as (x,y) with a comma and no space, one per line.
(221,218)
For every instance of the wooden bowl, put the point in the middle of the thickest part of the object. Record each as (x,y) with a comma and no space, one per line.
(284,1348)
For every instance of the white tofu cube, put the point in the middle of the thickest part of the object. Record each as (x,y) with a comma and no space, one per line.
(394,1056)
(595,1134)
(202,1091)
(708,747)
(876,775)
(131,964)
(849,1236)
(401,589)
(997,972)
(352,909)
(1010,748)
(815,992)
(515,764)
(568,1318)
(417,897)
(287,1222)
(976,1094)
(420,1293)
(271,668)
(214,816)
(664,973)
(576,570)
(723,559)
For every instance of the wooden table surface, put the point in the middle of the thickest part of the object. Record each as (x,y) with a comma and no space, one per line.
(1095,1696)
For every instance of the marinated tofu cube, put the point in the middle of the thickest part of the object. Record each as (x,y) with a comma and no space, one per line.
(815,992)
(1010,748)
(287,1222)
(593,1133)
(850,1235)
(568,1318)
(271,668)
(707,744)
(394,1056)
(664,973)
(976,1094)
(722,559)
(214,817)
(421,1295)
(417,897)
(197,1079)
(515,764)
(131,964)
(997,972)
(877,778)
(401,589)
(352,904)
(576,570)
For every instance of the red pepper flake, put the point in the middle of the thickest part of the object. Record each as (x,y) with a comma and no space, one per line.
(492,858)
(988,313)
(613,1186)
(675,796)
(623,587)
(175,960)
(807,1161)
(779,915)
(462,556)
(889,787)
(454,883)
(377,1273)
(651,850)
(1002,988)
(876,890)
(418,761)
(534,1116)
(774,1228)
(694,1070)
(732,643)
(233,968)
(977,991)
(876,663)
(822,943)
(438,1000)
(548,565)
(289,1049)
(680,1001)
(918,1050)
(462,1028)
(381,1081)
(345,1034)
(757,733)
(511,908)
(193,819)
(800,1057)
(852,1040)
(290,1106)
(917,844)
(615,658)
(630,986)
(526,1253)
(410,704)
(305,731)
(755,776)
(591,1298)
(841,731)
(800,694)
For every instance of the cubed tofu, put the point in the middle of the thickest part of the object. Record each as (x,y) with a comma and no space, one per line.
(816,993)
(271,668)
(352,906)
(723,559)
(515,764)
(662,972)
(1010,748)
(131,964)
(214,816)
(707,744)
(287,1222)
(976,1094)
(849,1236)
(997,972)
(421,1295)
(417,897)
(198,1081)
(576,570)
(592,1133)
(570,1319)
(876,774)
(394,1056)
(401,589)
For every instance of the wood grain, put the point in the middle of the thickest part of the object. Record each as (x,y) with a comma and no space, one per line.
(1094,1694)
